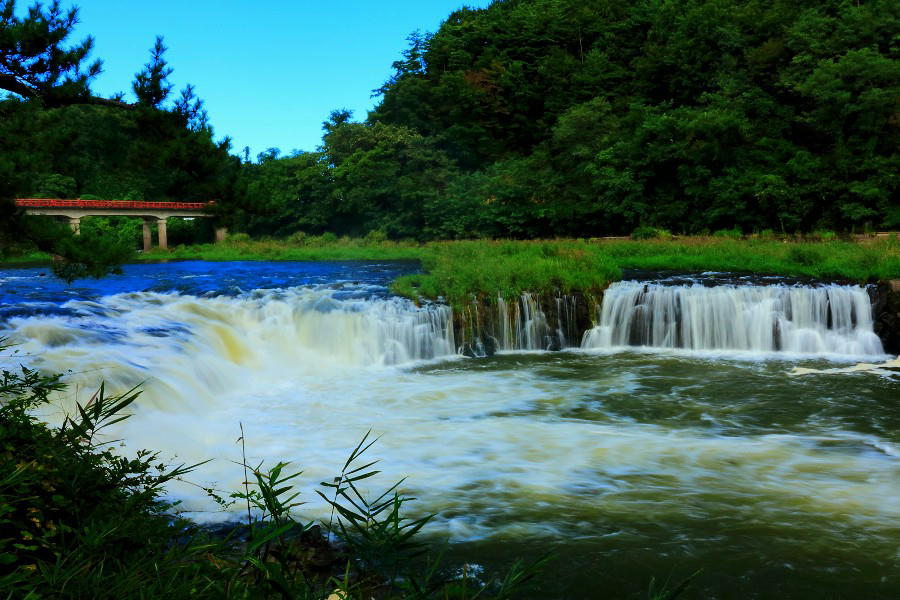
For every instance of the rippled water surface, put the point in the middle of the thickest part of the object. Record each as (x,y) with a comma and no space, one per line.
(628,465)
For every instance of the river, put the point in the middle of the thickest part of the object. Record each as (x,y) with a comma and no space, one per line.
(628,458)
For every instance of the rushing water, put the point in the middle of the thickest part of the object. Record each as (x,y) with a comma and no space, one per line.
(821,319)
(628,462)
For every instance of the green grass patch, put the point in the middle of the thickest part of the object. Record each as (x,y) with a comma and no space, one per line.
(240,247)
(28,257)
(863,261)
(455,271)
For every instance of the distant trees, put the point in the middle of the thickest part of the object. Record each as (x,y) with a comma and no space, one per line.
(366,177)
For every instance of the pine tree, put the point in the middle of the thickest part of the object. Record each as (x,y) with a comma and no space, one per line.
(151,86)
(35,63)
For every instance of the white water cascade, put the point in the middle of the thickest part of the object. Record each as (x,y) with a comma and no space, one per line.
(523,323)
(823,319)
(567,446)
(193,347)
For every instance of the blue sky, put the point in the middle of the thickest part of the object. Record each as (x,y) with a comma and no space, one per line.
(269,71)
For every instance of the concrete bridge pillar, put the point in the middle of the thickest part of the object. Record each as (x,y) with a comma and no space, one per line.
(148,236)
(162,233)
(75,224)
(221,234)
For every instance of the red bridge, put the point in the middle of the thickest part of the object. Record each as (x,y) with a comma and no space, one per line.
(111,204)
(159,212)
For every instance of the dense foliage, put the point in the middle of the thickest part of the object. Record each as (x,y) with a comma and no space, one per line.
(76,519)
(560,117)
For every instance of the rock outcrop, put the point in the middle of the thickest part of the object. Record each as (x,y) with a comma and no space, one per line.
(886,309)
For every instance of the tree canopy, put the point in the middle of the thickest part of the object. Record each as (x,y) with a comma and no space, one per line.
(591,117)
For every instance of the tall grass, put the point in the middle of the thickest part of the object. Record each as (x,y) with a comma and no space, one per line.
(455,271)
(853,261)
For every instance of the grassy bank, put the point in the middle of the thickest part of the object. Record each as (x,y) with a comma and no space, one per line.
(859,261)
(27,258)
(241,247)
(457,270)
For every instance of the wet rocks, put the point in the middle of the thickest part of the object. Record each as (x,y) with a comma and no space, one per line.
(886,311)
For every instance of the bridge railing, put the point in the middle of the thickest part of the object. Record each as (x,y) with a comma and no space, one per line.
(112,204)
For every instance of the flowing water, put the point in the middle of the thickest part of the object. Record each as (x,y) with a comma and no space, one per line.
(664,445)
(811,320)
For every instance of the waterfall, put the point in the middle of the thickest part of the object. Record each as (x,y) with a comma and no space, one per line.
(819,319)
(525,322)
(188,346)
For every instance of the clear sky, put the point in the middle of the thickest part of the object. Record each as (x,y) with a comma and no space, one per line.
(270,71)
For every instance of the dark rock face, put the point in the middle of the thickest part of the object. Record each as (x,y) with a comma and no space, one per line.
(886,310)
(479,348)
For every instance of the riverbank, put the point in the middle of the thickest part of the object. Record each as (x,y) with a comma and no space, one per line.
(30,258)
(456,270)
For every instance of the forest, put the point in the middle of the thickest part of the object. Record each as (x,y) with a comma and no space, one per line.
(526,119)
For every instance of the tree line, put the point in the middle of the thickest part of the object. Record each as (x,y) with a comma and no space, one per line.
(535,118)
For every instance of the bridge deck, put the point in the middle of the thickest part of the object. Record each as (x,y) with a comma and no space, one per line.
(76,209)
(110,204)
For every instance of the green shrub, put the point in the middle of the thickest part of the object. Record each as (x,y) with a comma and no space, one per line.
(376,236)
(298,238)
(733,234)
(239,237)
(645,232)
(54,185)
(806,256)
(823,235)
(89,521)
